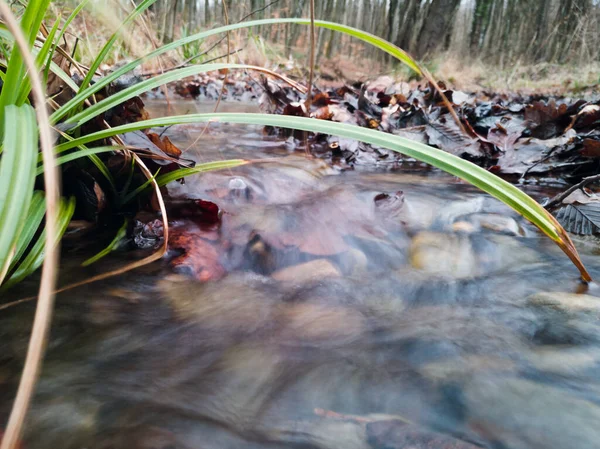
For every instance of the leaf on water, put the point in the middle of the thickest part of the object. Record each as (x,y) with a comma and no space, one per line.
(581,219)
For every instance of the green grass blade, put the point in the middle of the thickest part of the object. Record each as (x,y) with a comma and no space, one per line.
(85,152)
(454,165)
(132,91)
(35,257)
(40,61)
(121,234)
(134,193)
(34,218)
(17,176)
(15,72)
(101,56)
(95,160)
(200,168)
(366,37)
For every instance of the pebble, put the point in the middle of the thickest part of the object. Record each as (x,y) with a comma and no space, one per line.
(569,303)
(527,415)
(304,272)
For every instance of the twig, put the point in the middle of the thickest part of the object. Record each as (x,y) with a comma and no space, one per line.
(311,73)
(560,197)
(43,312)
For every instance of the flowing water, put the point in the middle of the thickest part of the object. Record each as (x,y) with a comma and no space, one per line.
(391,307)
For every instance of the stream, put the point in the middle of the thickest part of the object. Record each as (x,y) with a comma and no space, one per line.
(391,307)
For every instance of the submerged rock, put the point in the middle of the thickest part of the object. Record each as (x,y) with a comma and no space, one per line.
(567,302)
(527,415)
(462,256)
(315,269)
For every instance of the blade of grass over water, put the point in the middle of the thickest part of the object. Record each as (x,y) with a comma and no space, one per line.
(121,234)
(149,84)
(87,91)
(469,172)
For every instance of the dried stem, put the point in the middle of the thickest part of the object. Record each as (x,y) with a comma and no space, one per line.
(43,313)
(560,197)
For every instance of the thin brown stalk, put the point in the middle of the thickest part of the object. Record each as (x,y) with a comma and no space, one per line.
(311,73)
(43,313)
(580,185)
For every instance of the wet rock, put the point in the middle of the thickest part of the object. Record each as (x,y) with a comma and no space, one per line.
(312,324)
(248,308)
(497,223)
(463,256)
(395,434)
(526,415)
(460,367)
(568,303)
(353,262)
(315,269)
(443,254)
(566,361)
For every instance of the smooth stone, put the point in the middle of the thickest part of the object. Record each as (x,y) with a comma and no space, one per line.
(497,223)
(353,262)
(521,414)
(566,302)
(444,254)
(304,272)
(463,255)
(565,361)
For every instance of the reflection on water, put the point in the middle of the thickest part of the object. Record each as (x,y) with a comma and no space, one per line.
(371,309)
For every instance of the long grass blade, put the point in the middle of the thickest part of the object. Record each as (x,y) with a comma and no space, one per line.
(121,234)
(480,178)
(34,258)
(35,215)
(17,176)
(16,69)
(377,42)
(200,168)
(101,56)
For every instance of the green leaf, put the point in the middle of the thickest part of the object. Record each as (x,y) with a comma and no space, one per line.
(84,152)
(486,181)
(35,257)
(34,218)
(130,92)
(16,71)
(121,234)
(208,166)
(131,195)
(101,56)
(17,176)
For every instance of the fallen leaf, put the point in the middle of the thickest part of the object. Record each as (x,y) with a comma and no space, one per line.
(581,219)
(591,148)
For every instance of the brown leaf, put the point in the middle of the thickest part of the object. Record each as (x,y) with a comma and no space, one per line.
(591,148)
(164,144)
(200,211)
(505,134)
(200,258)
(445,134)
